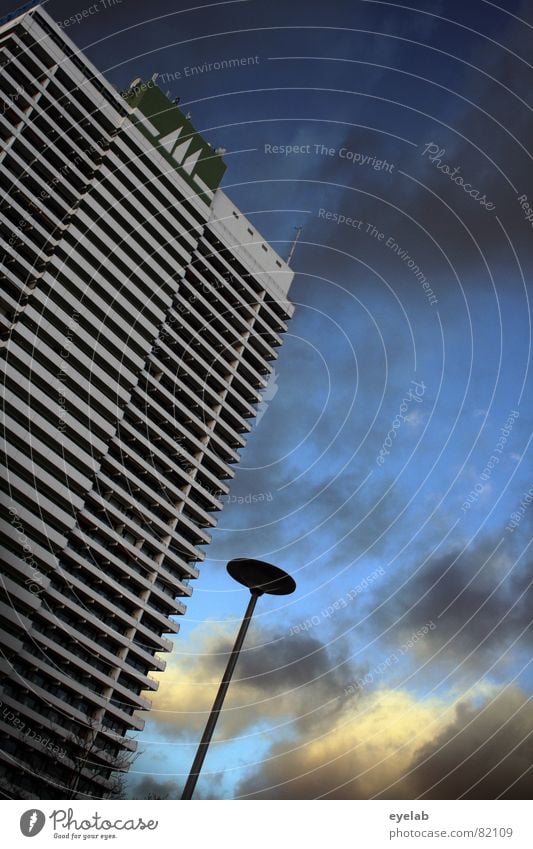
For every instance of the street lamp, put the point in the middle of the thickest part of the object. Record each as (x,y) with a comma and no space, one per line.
(260,578)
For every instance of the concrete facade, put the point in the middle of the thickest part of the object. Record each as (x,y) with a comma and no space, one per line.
(140,316)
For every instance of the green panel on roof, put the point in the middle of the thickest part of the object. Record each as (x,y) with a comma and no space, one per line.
(167,118)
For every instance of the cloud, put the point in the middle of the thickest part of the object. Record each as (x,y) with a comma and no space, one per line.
(485,753)
(316,742)
(480,599)
(149,787)
(415,418)
(398,746)
(290,680)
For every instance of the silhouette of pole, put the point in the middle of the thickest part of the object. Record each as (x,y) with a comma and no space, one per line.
(259,577)
(219,700)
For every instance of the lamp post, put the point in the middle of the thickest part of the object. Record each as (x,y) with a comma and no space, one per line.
(260,578)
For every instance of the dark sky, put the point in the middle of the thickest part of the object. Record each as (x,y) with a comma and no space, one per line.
(394,452)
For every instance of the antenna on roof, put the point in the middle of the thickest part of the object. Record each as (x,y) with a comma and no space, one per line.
(299,231)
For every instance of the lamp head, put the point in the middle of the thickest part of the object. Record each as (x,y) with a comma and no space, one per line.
(261,577)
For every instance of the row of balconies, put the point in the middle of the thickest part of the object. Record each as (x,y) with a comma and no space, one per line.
(209,350)
(43,519)
(150,169)
(134,476)
(62,295)
(34,416)
(224,321)
(86,560)
(214,376)
(234,285)
(174,421)
(151,529)
(168,228)
(183,381)
(37,179)
(124,285)
(112,638)
(200,333)
(51,657)
(144,556)
(191,411)
(47,225)
(226,260)
(27,472)
(79,404)
(133,561)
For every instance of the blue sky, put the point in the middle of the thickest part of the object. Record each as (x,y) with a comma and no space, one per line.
(434,713)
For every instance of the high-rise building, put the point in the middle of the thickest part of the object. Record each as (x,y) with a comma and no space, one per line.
(140,315)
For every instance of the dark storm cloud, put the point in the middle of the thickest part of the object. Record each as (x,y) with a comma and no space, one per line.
(470,114)
(340,524)
(401,101)
(298,679)
(274,663)
(480,600)
(149,787)
(485,753)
